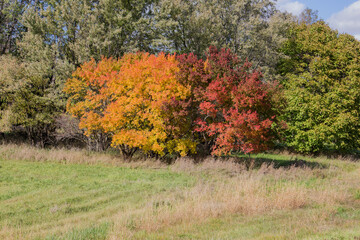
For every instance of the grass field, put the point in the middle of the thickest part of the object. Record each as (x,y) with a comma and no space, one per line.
(62,194)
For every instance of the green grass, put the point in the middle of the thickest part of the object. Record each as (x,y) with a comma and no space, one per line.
(99,232)
(54,200)
(43,195)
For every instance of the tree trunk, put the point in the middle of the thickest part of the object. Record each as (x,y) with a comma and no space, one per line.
(127,151)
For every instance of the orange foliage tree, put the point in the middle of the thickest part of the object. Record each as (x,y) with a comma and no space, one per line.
(89,96)
(135,117)
(126,99)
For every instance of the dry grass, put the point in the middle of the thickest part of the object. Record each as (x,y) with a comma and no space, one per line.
(249,193)
(210,165)
(71,156)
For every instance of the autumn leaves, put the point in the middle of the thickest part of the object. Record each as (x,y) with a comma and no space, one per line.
(174,103)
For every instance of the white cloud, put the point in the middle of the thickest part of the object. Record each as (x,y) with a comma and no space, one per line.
(347,20)
(290,6)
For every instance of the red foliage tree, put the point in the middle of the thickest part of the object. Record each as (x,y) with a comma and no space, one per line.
(236,105)
(228,109)
(184,112)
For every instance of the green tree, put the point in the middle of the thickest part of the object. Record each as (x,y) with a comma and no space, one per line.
(11,73)
(83,29)
(28,97)
(309,16)
(322,89)
(253,30)
(11,27)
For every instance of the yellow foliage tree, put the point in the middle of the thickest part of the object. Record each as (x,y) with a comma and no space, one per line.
(126,98)
(136,114)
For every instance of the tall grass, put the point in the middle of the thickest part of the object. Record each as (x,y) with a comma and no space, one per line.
(71,156)
(249,193)
(222,189)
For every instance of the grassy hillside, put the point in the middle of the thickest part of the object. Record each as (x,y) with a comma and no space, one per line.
(60,194)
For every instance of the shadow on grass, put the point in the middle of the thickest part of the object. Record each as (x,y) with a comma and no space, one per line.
(256,162)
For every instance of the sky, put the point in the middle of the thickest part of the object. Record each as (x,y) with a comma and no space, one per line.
(343,15)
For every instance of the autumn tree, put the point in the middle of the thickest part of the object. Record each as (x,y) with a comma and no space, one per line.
(322,90)
(89,97)
(229,107)
(236,110)
(135,117)
(183,113)
(126,99)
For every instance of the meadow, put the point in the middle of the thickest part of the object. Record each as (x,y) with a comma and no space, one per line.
(75,194)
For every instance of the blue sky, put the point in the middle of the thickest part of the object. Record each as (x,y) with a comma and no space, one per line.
(343,15)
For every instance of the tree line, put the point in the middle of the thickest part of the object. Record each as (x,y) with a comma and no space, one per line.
(232,76)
